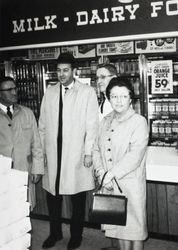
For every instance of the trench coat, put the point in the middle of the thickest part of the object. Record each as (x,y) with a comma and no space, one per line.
(80,127)
(121,149)
(19,139)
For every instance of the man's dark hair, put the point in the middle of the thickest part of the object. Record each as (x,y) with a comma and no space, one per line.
(5,79)
(67,58)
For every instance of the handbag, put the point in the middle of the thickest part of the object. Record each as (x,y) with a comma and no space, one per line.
(108,208)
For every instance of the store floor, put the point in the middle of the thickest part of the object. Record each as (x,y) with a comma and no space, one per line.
(93,239)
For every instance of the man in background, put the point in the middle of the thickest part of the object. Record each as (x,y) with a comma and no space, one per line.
(68,126)
(19,137)
(104,73)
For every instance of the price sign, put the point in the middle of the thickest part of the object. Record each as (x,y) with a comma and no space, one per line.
(162,80)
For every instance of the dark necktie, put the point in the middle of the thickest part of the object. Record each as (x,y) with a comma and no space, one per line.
(9,113)
(59,142)
(66,88)
(102,102)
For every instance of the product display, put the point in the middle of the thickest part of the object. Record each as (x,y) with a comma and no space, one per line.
(29,85)
(162,102)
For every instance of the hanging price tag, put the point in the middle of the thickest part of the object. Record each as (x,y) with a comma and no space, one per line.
(162,80)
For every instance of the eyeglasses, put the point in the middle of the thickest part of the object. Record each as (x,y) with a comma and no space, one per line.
(120,97)
(102,77)
(9,89)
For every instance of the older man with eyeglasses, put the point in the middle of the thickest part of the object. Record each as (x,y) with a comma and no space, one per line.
(104,73)
(19,137)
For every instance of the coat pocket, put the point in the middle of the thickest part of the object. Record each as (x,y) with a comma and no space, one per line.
(27,133)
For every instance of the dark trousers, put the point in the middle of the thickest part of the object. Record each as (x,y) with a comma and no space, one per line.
(78,214)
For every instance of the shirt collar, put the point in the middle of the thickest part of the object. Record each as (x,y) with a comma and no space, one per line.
(68,86)
(4,108)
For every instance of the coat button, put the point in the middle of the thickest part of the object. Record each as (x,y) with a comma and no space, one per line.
(109,139)
(109,149)
(9,125)
(112,130)
(110,159)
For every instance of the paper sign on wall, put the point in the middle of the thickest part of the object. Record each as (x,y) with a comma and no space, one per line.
(156,45)
(80,51)
(162,81)
(115,48)
(44,53)
(70,49)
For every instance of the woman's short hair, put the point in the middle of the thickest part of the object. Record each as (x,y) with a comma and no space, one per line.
(120,82)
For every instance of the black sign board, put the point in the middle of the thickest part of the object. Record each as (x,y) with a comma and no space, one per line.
(44,23)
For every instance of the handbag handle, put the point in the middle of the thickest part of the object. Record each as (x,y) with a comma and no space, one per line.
(100,186)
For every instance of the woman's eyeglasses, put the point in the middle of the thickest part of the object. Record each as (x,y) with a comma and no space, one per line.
(120,97)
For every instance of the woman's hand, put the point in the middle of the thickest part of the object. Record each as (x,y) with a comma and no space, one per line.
(98,174)
(107,182)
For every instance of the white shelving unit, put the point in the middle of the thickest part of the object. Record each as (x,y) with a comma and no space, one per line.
(15,223)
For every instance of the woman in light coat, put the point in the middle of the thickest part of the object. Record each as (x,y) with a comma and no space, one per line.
(120,151)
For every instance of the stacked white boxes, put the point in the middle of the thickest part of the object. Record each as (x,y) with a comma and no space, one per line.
(14,209)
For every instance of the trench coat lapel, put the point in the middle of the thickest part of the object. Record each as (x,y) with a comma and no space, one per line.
(55,108)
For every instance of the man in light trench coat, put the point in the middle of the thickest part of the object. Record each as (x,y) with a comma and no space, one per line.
(19,136)
(68,169)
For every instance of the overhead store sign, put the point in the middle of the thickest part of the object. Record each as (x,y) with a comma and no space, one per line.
(36,23)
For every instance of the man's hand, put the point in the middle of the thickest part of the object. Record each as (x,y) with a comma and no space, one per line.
(88,161)
(35,178)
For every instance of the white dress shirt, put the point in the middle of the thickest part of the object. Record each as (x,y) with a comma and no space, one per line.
(68,87)
(106,109)
(4,108)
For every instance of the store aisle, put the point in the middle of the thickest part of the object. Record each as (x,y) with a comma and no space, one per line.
(93,239)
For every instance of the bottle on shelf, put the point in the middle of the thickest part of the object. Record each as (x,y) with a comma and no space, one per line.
(161,129)
(158,107)
(165,107)
(136,86)
(152,108)
(137,107)
(154,128)
(168,129)
(93,67)
(175,129)
(117,65)
(172,107)
(122,68)
(133,67)
(175,87)
(127,69)
(175,67)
